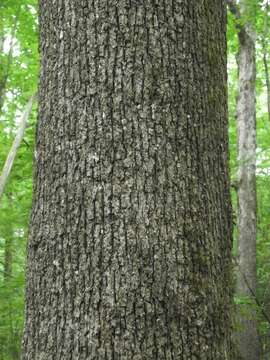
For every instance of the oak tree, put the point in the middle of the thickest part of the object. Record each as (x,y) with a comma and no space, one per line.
(130,235)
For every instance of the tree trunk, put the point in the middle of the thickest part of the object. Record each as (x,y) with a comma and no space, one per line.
(248,341)
(130,235)
(266,56)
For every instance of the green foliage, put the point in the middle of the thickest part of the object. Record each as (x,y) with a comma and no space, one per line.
(19,64)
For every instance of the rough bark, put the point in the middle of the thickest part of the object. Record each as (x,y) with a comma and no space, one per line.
(130,235)
(248,341)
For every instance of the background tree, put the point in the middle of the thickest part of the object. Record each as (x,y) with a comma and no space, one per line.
(265,52)
(255,15)
(130,236)
(246,283)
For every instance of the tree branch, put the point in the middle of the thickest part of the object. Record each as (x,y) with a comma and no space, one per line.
(16,144)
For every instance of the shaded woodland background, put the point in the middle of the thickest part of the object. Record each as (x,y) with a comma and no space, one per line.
(18,81)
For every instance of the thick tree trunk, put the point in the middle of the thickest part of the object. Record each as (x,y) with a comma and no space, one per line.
(248,341)
(130,236)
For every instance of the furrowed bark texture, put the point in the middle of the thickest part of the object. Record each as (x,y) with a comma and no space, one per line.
(130,236)
(248,341)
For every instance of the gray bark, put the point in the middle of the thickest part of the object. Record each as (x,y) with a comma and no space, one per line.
(248,340)
(129,252)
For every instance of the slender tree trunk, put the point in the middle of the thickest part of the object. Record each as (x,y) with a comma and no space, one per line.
(266,56)
(130,237)
(248,340)
(267,79)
